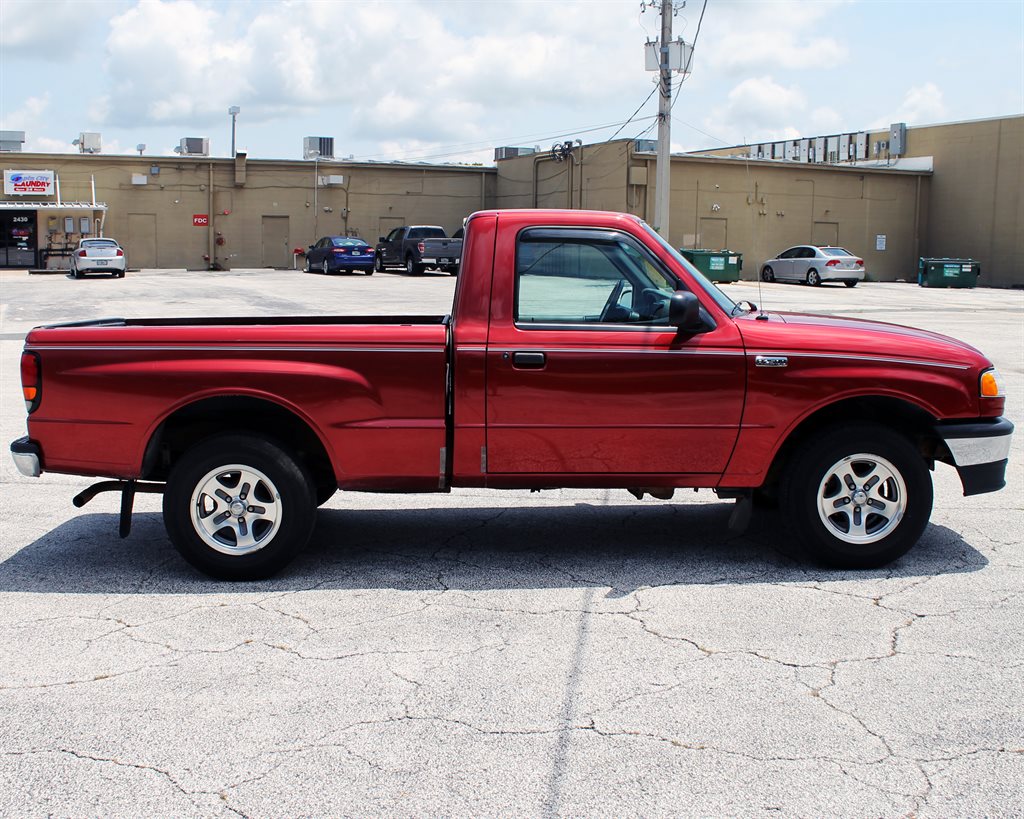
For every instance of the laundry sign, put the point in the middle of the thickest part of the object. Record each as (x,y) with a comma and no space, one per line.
(29,183)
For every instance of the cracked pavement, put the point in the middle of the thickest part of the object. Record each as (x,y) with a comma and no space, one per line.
(484,653)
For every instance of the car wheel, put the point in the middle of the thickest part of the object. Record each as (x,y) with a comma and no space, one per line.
(378,263)
(813,278)
(857,496)
(767,274)
(308,268)
(239,507)
(412,268)
(850,283)
(325,268)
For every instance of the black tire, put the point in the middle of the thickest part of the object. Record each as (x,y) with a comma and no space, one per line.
(767,274)
(813,278)
(282,484)
(369,271)
(378,263)
(885,468)
(412,268)
(850,283)
(325,268)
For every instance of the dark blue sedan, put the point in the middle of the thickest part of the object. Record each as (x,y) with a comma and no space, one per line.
(333,254)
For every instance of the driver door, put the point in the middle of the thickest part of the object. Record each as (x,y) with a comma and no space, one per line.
(589,378)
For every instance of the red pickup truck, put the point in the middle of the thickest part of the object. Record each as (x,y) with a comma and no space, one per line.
(582,351)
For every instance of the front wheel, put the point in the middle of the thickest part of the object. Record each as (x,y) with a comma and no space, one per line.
(239,507)
(378,263)
(767,274)
(325,267)
(857,496)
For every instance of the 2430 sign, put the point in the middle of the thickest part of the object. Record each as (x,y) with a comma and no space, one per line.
(28,183)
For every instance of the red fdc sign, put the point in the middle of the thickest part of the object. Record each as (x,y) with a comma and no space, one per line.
(200,220)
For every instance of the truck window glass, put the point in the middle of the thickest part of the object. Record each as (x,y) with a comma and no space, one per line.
(573,280)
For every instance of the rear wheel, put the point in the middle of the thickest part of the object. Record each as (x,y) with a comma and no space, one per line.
(857,496)
(850,282)
(813,278)
(412,268)
(767,274)
(239,507)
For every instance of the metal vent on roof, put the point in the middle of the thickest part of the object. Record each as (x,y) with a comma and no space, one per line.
(314,147)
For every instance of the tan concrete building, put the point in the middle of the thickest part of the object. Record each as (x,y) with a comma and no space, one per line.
(955,191)
(974,207)
(751,207)
(195,212)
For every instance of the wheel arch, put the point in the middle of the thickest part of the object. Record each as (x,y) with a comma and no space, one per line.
(205,417)
(900,415)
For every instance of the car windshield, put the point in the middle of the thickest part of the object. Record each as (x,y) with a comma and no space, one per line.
(99,243)
(347,241)
(835,251)
(722,300)
(427,233)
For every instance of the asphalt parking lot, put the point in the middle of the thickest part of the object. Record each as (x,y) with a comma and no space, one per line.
(482,653)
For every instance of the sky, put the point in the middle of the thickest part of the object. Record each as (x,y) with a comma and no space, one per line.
(448,81)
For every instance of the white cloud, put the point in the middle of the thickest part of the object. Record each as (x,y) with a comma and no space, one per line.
(416,69)
(758,109)
(28,27)
(922,104)
(790,34)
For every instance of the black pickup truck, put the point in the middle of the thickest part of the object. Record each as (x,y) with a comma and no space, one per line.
(417,247)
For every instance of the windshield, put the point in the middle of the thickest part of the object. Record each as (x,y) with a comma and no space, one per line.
(722,300)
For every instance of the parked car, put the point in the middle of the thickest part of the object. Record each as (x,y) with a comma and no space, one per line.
(99,255)
(406,247)
(582,351)
(335,254)
(814,265)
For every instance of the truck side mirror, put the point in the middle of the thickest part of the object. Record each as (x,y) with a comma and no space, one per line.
(684,312)
(380,239)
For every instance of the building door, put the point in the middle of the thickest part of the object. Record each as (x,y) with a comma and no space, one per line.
(18,238)
(388,224)
(713,233)
(276,252)
(140,246)
(825,234)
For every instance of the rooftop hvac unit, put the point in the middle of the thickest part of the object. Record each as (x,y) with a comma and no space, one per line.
(645,146)
(88,142)
(505,152)
(194,146)
(314,147)
(11,140)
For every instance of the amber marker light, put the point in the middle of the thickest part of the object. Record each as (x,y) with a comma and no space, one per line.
(990,384)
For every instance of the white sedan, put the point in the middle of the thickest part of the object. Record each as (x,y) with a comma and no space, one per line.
(98,256)
(814,265)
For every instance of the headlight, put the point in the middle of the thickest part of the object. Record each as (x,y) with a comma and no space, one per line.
(990,386)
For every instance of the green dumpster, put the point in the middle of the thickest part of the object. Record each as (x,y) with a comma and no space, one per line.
(948,272)
(717,265)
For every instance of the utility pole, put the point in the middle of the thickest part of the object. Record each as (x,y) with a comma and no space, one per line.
(663,182)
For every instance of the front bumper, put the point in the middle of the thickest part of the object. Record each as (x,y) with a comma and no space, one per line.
(980,451)
(27,457)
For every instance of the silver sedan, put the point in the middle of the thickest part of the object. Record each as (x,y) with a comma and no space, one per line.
(98,255)
(814,265)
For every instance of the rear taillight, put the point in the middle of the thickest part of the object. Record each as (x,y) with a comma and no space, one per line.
(831,262)
(420,247)
(120,252)
(31,380)
(859,263)
(81,252)
(340,250)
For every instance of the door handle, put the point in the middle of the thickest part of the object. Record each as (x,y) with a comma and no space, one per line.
(529,361)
